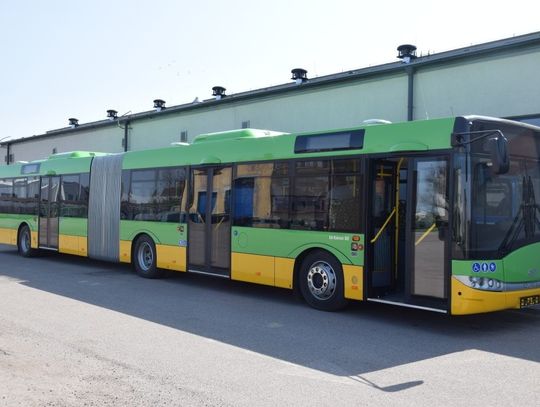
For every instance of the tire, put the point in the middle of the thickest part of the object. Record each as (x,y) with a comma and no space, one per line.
(24,242)
(145,258)
(321,281)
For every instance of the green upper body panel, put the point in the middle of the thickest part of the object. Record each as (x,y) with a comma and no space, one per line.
(290,243)
(75,162)
(253,145)
(520,266)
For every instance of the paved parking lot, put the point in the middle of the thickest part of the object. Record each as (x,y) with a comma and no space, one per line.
(76,332)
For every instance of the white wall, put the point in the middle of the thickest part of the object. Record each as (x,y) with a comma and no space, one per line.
(499,86)
(336,106)
(3,152)
(107,139)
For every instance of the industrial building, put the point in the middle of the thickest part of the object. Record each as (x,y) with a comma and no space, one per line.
(498,78)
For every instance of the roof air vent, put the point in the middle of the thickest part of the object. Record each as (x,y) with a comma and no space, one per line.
(218,92)
(159,105)
(112,114)
(299,75)
(73,122)
(406,53)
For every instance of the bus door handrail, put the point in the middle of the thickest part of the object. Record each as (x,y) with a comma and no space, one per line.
(424,235)
(385,224)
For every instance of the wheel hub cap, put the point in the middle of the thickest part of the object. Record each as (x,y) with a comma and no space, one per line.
(321,280)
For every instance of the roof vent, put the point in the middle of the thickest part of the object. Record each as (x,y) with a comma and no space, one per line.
(73,122)
(112,114)
(299,75)
(218,92)
(159,105)
(406,53)
(376,121)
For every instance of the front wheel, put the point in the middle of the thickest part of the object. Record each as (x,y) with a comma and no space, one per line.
(24,244)
(321,281)
(144,258)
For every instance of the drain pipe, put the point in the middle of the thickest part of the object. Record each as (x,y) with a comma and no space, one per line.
(410,92)
(126,135)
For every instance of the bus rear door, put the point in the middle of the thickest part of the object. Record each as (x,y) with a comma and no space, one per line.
(209,221)
(48,213)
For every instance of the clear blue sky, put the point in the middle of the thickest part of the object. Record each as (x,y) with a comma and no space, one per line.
(64,59)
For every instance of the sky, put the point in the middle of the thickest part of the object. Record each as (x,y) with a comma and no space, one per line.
(62,59)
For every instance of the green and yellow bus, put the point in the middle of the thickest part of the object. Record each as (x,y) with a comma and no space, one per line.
(438,214)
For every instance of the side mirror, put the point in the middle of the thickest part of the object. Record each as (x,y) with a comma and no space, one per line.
(499,155)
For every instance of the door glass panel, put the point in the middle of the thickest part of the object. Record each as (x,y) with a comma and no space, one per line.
(44,211)
(382,207)
(197,218)
(54,210)
(221,218)
(429,228)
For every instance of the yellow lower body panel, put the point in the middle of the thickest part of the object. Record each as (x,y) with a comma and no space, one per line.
(76,245)
(467,300)
(284,272)
(252,268)
(8,236)
(171,257)
(125,251)
(34,240)
(354,278)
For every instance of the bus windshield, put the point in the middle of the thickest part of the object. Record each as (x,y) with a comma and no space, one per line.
(504,211)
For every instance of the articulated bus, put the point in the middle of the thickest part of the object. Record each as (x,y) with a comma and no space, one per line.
(437,214)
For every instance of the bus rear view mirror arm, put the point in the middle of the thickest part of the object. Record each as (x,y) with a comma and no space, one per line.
(498,147)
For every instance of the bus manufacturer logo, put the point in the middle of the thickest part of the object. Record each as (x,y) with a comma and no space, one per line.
(532,272)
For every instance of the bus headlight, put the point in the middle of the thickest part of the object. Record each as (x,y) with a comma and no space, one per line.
(482,283)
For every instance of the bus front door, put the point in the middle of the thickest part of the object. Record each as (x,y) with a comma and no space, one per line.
(48,212)
(383,227)
(209,221)
(408,238)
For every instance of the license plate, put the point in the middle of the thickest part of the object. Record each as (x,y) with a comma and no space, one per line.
(528,301)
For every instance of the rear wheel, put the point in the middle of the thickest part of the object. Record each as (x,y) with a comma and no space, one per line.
(145,258)
(24,242)
(321,281)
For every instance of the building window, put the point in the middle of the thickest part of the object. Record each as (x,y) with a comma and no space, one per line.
(183,136)
(246,124)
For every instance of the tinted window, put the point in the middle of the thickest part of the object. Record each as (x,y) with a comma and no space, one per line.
(325,195)
(170,188)
(262,195)
(6,194)
(143,195)
(153,195)
(31,204)
(74,196)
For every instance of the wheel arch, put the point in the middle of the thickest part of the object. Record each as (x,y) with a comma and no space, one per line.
(137,236)
(299,259)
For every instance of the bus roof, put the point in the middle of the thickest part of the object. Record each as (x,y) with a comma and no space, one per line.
(258,145)
(252,145)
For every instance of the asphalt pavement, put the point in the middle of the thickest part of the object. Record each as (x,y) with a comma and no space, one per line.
(78,332)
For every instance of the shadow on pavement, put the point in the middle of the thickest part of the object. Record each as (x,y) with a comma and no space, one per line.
(365,337)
